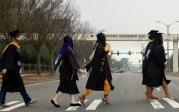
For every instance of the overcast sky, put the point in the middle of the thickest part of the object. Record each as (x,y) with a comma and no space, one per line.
(130,16)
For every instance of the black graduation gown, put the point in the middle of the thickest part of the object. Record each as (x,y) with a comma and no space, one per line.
(155,66)
(68,73)
(99,72)
(12,81)
(145,64)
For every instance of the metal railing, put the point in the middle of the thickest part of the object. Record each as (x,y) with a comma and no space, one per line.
(33,68)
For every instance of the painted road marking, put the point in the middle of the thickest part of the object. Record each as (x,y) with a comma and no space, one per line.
(156,104)
(13,107)
(72,108)
(94,104)
(173,103)
(12,102)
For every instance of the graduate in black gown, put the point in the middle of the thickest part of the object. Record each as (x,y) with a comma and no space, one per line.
(68,69)
(151,36)
(100,78)
(11,69)
(154,66)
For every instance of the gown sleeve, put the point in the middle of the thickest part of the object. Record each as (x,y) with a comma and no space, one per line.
(8,57)
(159,55)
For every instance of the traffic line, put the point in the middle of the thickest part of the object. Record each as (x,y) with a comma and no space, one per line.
(13,107)
(94,104)
(173,103)
(12,102)
(72,108)
(156,104)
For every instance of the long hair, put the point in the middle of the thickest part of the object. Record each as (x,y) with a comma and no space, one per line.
(67,44)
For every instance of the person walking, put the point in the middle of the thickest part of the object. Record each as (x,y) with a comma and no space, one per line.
(154,66)
(100,78)
(11,69)
(145,80)
(68,69)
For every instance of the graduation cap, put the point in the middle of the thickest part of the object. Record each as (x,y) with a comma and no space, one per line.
(14,34)
(152,34)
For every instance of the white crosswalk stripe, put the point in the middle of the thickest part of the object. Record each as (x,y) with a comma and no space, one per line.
(12,102)
(94,104)
(72,108)
(157,105)
(13,107)
(173,103)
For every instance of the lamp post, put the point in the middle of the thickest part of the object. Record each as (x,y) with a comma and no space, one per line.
(168,26)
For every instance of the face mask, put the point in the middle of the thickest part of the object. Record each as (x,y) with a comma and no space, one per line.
(73,40)
(21,37)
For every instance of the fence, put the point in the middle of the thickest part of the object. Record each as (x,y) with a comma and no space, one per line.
(33,68)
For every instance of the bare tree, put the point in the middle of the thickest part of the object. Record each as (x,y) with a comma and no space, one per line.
(61,24)
(15,14)
(43,25)
(84,48)
(43,21)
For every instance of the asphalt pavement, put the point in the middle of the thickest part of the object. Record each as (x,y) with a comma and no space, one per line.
(128,96)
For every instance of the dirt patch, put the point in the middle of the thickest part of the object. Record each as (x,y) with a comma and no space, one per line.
(39,78)
(34,78)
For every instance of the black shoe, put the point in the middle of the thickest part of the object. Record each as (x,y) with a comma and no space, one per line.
(75,104)
(56,105)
